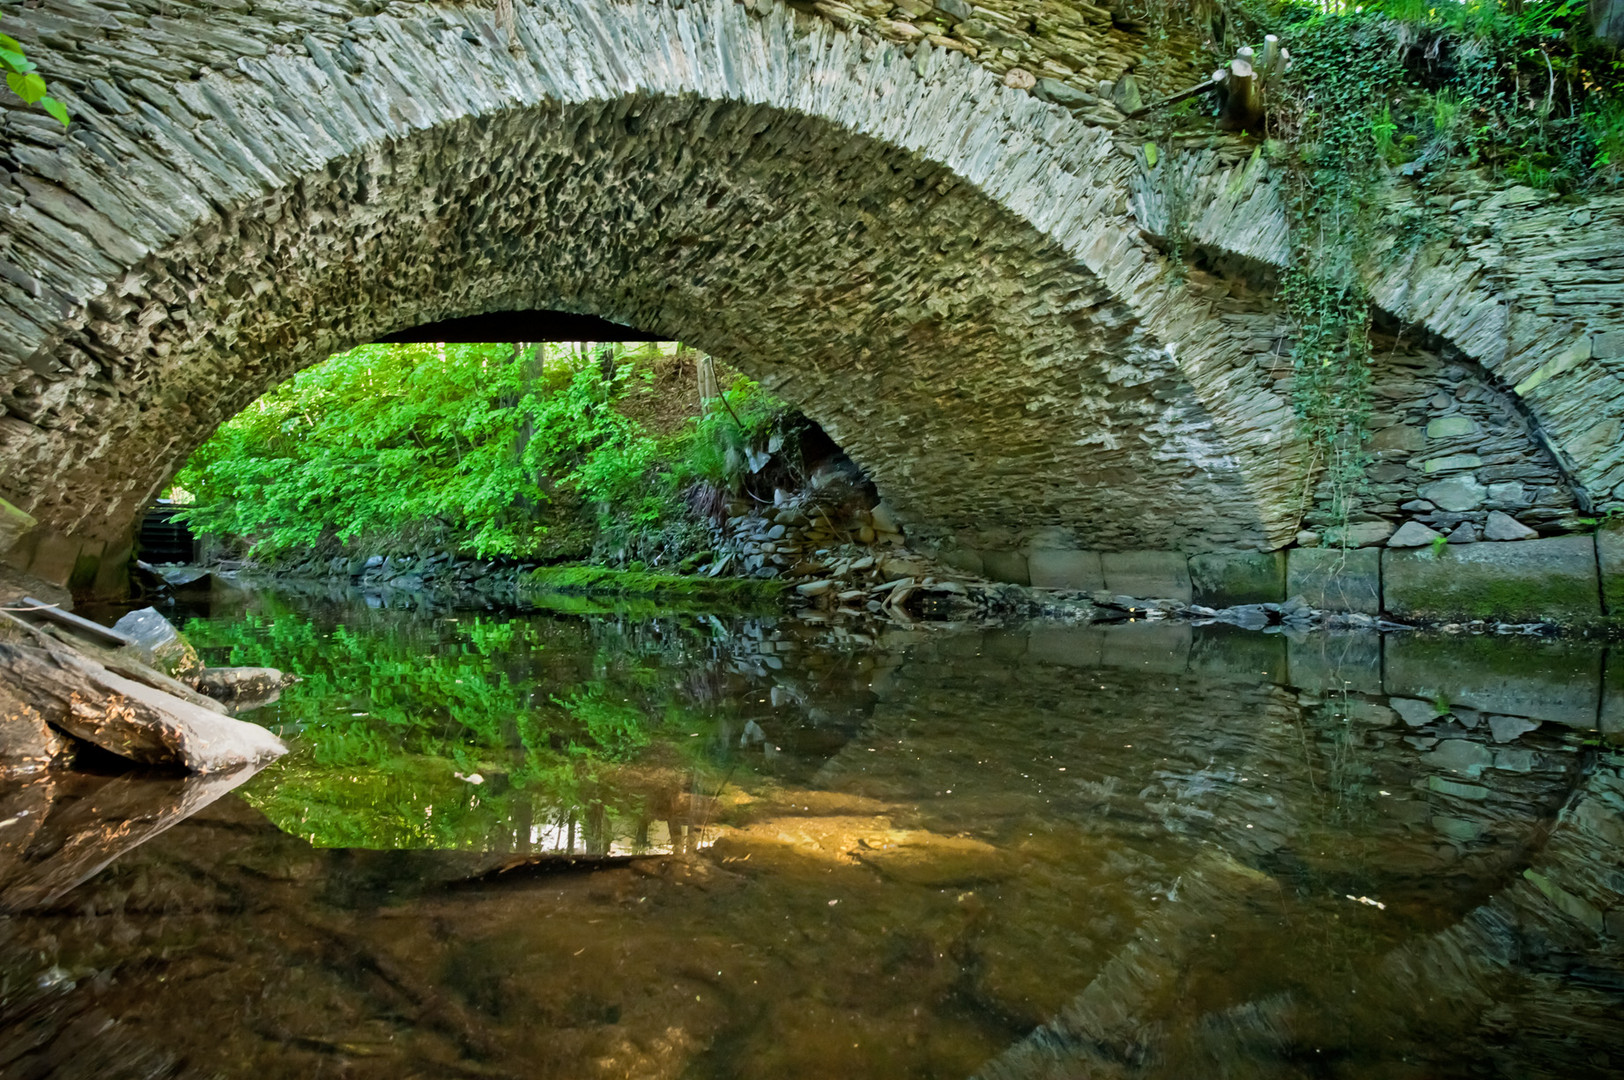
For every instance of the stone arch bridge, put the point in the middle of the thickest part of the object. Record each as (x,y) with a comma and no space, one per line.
(961,281)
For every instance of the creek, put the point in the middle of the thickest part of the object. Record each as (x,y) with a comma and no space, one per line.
(587,843)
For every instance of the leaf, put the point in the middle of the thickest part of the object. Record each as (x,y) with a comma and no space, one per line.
(1150,155)
(16,61)
(29,87)
(56,109)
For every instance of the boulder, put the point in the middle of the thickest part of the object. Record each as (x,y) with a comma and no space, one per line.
(1412,534)
(242,688)
(1458,493)
(1501,526)
(158,644)
(1525,581)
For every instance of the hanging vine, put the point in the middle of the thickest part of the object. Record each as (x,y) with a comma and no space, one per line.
(1383,91)
(1332,113)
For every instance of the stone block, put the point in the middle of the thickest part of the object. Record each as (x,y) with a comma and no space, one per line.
(86,566)
(1332,579)
(1610,560)
(1524,581)
(112,580)
(1245,577)
(1612,697)
(1554,681)
(962,558)
(1080,570)
(1008,566)
(55,556)
(1333,661)
(1147,575)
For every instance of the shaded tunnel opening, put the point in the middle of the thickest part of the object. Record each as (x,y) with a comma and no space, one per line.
(766,454)
(551,326)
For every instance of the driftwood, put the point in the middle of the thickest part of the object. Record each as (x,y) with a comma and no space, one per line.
(75,694)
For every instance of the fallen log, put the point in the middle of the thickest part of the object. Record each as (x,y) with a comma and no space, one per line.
(79,696)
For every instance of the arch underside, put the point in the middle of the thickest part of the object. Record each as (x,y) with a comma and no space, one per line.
(987,381)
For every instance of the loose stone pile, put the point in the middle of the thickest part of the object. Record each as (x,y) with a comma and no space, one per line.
(847,560)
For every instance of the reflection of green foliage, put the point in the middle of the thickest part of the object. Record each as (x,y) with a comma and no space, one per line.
(386,715)
(616,730)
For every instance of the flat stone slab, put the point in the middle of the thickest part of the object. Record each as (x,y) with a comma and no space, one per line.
(1332,579)
(1147,575)
(1554,681)
(1079,570)
(1524,581)
(1610,560)
(1247,577)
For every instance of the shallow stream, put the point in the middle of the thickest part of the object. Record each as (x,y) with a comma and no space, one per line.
(604,845)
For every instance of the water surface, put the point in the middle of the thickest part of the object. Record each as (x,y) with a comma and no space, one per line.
(598,845)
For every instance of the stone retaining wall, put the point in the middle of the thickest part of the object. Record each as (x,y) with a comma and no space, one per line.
(1575,580)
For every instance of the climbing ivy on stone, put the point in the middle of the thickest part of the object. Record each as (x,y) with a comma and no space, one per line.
(1331,116)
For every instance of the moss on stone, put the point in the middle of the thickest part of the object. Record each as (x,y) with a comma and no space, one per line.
(661,591)
(1522,581)
(1246,577)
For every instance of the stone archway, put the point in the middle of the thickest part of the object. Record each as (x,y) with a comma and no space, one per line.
(938,269)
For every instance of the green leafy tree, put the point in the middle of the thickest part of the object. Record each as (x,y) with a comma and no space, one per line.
(494,450)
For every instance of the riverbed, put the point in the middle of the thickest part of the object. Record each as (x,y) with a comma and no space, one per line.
(611,844)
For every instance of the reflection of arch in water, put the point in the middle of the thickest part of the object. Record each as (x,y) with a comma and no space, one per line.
(1499,840)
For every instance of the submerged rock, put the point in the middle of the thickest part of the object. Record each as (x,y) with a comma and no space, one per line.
(242,687)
